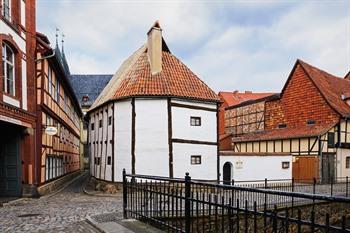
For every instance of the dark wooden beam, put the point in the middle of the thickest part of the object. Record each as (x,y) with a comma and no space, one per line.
(170,143)
(133,135)
(193,107)
(177,140)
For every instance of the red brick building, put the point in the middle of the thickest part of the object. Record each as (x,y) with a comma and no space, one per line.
(18,172)
(309,120)
(229,99)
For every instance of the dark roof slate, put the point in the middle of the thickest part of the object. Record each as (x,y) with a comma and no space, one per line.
(89,85)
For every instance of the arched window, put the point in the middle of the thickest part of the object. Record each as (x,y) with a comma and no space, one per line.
(8,69)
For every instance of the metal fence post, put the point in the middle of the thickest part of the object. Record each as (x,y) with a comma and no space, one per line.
(187,203)
(125,199)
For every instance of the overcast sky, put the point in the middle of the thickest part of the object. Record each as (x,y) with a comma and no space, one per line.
(245,45)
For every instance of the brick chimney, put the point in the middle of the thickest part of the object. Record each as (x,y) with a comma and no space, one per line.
(154,48)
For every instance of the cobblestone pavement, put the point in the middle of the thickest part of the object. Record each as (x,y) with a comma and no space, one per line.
(64,212)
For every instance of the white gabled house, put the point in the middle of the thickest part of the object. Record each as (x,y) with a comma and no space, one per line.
(154,117)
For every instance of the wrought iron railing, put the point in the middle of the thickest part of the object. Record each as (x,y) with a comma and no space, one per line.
(185,205)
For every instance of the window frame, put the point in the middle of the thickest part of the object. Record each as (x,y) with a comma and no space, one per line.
(195,121)
(285,164)
(9,8)
(347,162)
(331,143)
(196,159)
(5,63)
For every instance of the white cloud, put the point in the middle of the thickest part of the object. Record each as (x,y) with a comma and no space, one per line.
(246,46)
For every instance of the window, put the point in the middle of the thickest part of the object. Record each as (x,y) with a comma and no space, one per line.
(285,165)
(196,159)
(347,162)
(98,161)
(92,126)
(311,122)
(6,9)
(100,123)
(109,120)
(85,98)
(330,140)
(8,69)
(282,126)
(49,80)
(57,94)
(109,160)
(195,121)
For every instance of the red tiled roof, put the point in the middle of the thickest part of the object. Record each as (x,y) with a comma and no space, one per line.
(234,98)
(134,78)
(299,132)
(234,153)
(331,87)
(175,79)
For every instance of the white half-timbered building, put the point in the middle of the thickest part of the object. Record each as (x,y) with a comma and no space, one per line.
(154,117)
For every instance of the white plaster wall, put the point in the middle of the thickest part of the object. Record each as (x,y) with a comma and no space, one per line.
(342,171)
(122,138)
(257,167)
(182,128)
(5,29)
(151,144)
(182,161)
(92,146)
(103,139)
(23,12)
(24,85)
(108,169)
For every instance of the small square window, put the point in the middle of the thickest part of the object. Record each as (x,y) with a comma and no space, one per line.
(196,121)
(285,165)
(347,162)
(196,159)
(92,126)
(109,160)
(109,120)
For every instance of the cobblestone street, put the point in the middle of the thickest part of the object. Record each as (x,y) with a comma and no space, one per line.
(63,212)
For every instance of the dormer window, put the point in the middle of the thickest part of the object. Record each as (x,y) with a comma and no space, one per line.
(282,126)
(8,69)
(85,98)
(311,122)
(6,9)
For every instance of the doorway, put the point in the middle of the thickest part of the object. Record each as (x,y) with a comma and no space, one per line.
(328,165)
(10,166)
(227,173)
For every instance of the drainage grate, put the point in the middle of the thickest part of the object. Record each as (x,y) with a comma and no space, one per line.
(28,215)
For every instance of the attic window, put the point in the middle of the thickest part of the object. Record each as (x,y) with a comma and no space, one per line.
(282,126)
(85,98)
(311,122)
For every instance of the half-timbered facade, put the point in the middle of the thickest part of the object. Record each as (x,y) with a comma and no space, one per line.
(57,107)
(154,117)
(17,97)
(308,120)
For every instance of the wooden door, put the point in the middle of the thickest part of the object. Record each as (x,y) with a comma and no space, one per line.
(328,164)
(10,166)
(305,168)
(227,173)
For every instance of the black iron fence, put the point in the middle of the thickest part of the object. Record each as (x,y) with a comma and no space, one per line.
(185,205)
(339,186)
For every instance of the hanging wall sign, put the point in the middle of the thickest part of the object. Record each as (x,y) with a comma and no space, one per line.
(51,130)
